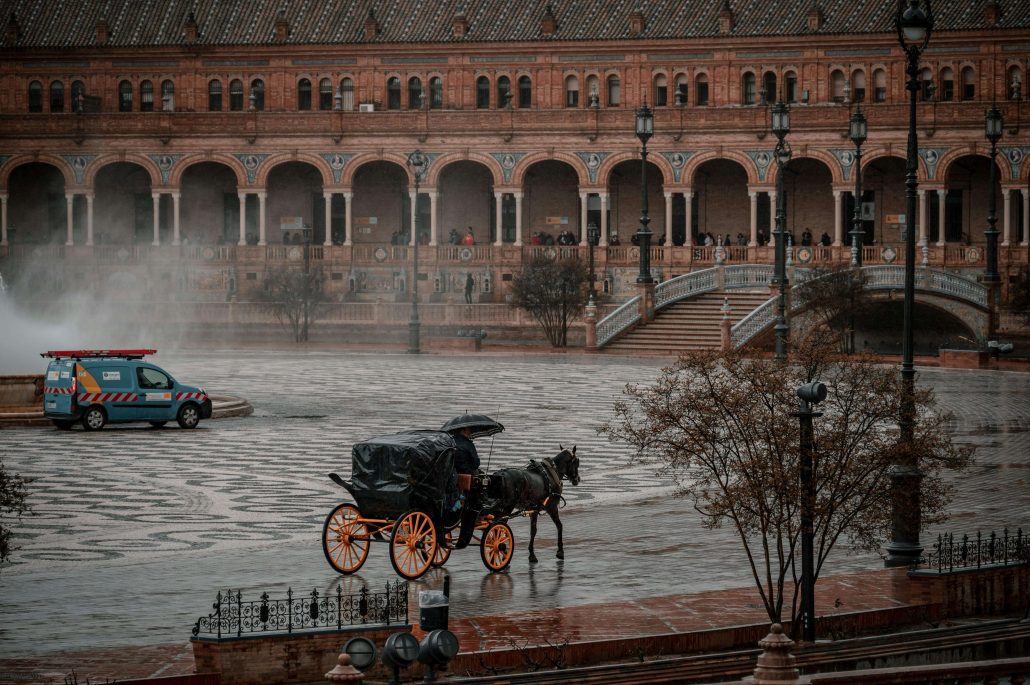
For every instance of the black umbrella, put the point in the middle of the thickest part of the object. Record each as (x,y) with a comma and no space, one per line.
(480,424)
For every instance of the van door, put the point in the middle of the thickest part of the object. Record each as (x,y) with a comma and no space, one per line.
(114,382)
(59,388)
(156,399)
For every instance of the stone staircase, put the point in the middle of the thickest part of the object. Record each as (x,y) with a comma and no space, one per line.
(689,324)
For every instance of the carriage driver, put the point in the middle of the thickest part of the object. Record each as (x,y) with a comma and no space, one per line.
(466,461)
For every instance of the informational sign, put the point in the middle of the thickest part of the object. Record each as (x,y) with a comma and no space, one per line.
(291,223)
(557,220)
(366,220)
(112,375)
(895,218)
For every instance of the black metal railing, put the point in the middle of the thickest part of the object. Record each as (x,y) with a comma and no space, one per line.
(232,616)
(991,550)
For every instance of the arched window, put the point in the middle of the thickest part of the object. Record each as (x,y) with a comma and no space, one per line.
(571,91)
(593,91)
(56,96)
(214,95)
(36,96)
(393,93)
(236,95)
(525,92)
(747,89)
(482,93)
(858,86)
(947,93)
(682,89)
(837,83)
(257,95)
(167,96)
(661,91)
(146,96)
(414,93)
(435,92)
(769,94)
(926,87)
(325,94)
(880,85)
(790,86)
(968,84)
(124,96)
(1015,83)
(304,95)
(614,91)
(347,91)
(503,91)
(701,89)
(78,96)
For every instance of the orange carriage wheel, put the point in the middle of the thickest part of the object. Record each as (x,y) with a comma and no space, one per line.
(498,546)
(345,539)
(413,545)
(443,552)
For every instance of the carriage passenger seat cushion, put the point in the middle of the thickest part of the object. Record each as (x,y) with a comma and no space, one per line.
(464,482)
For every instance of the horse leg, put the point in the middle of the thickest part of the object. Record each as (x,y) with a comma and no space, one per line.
(552,511)
(532,537)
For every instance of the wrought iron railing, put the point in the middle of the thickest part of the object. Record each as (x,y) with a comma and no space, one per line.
(992,550)
(233,617)
(687,285)
(618,321)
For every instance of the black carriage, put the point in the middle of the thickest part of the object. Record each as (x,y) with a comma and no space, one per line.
(403,486)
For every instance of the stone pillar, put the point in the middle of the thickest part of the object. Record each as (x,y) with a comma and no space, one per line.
(923,216)
(584,198)
(499,217)
(243,218)
(70,219)
(1006,236)
(838,223)
(590,319)
(156,198)
(1026,215)
(262,234)
(772,216)
(434,197)
(413,200)
(776,665)
(668,219)
(328,218)
(89,218)
(176,197)
(689,197)
(348,217)
(942,195)
(3,218)
(753,196)
(518,218)
(603,242)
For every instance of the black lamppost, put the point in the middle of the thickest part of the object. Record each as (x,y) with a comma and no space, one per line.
(781,127)
(645,129)
(418,163)
(593,237)
(810,394)
(306,294)
(993,124)
(914,26)
(857,129)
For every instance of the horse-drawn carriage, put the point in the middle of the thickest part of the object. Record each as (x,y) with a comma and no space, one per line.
(403,487)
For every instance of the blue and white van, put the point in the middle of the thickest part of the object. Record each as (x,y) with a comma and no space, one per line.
(97,387)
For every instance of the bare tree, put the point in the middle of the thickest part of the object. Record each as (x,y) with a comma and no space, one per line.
(721,426)
(13,505)
(836,298)
(554,292)
(295,297)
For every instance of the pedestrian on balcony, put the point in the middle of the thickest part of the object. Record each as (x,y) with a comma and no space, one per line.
(741,240)
(470,238)
(453,238)
(536,239)
(614,241)
(661,241)
(806,237)
(825,239)
(469,285)
(709,239)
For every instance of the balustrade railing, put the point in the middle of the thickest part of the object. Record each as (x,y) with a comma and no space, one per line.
(747,276)
(464,253)
(754,323)
(933,280)
(949,554)
(694,283)
(618,321)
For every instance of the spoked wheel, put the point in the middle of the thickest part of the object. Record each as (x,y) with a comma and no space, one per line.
(498,546)
(345,539)
(413,544)
(443,552)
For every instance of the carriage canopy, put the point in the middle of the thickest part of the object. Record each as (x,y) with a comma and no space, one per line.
(391,474)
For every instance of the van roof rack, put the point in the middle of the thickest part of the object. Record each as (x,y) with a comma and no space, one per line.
(88,354)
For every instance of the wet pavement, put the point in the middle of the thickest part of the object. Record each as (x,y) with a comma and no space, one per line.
(136,529)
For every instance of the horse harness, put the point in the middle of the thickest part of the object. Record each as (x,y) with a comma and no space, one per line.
(550,475)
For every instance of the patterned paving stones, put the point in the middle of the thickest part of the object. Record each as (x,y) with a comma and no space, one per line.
(136,529)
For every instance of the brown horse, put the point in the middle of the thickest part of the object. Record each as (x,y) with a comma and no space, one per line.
(533,489)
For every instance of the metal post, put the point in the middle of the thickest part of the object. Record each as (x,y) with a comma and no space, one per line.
(991,277)
(644,131)
(418,163)
(809,394)
(593,236)
(306,293)
(781,127)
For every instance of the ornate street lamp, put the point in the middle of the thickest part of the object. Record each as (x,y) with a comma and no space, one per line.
(780,128)
(857,129)
(593,238)
(645,129)
(993,124)
(418,163)
(914,26)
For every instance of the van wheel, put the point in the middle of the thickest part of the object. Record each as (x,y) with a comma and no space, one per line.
(63,424)
(158,424)
(189,416)
(94,418)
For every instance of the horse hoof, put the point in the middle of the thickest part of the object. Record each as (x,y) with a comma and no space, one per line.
(532,559)
(559,555)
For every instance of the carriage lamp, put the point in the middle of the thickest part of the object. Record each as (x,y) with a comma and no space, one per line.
(362,652)
(400,651)
(436,651)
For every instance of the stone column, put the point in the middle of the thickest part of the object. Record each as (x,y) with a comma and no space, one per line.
(753,196)
(348,217)
(942,195)
(434,197)
(689,197)
(243,218)
(262,234)
(1006,236)
(3,218)
(583,199)
(499,217)
(603,242)
(328,196)
(772,216)
(668,219)
(838,223)
(156,198)
(89,218)
(923,218)
(413,198)
(518,218)
(1026,215)
(176,196)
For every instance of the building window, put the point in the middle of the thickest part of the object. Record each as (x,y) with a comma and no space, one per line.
(503,91)
(571,91)
(436,93)
(661,91)
(769,92)
(748,89)
(304,95)
(880,85)
(968,84)
(701,86)
(947,85)
(56,96)
(146,96)
(167,96)
(858,86)
(414,93)
(36,96)
(236,95)
(837,83)
(347,91)
(525,92)
(682,89)
(393,93)
(614,91)
(78,96)
(790,87)
(257,95)
(214,95)
(926,87)
(482,93)
(325,94)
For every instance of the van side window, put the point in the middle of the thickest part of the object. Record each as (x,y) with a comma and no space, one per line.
(152,378)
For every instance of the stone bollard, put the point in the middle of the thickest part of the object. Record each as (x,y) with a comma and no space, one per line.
(775,664)
(343,672)
(590,318)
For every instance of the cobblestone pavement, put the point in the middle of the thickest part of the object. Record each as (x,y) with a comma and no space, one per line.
(136,529)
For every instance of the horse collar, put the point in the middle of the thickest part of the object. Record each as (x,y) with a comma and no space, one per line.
(552,474)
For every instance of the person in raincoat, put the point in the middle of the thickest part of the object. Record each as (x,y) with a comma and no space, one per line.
(466,461)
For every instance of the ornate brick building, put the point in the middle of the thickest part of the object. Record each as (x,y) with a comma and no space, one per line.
(177,149)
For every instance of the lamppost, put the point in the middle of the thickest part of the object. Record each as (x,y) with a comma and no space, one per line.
(914,26)
(993,124)
(645,129)
(781,127)
(593,237)
(418,163)
(857,130)
(810,394)
(306,291)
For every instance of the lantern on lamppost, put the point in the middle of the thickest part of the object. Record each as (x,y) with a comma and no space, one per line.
(418,163)
(780,128)
(994,123)
(644,131)
(857,130)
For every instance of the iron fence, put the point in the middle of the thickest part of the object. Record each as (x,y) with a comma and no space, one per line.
(991,550)
(233,616)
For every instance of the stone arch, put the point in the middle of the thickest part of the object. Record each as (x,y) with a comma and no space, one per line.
(316,161)
(691,167)
(360,160)
(131,158)
(605,169)
(955,154)
(441,162)
(175,180)
(832,165)
(518,174)
(53,160)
